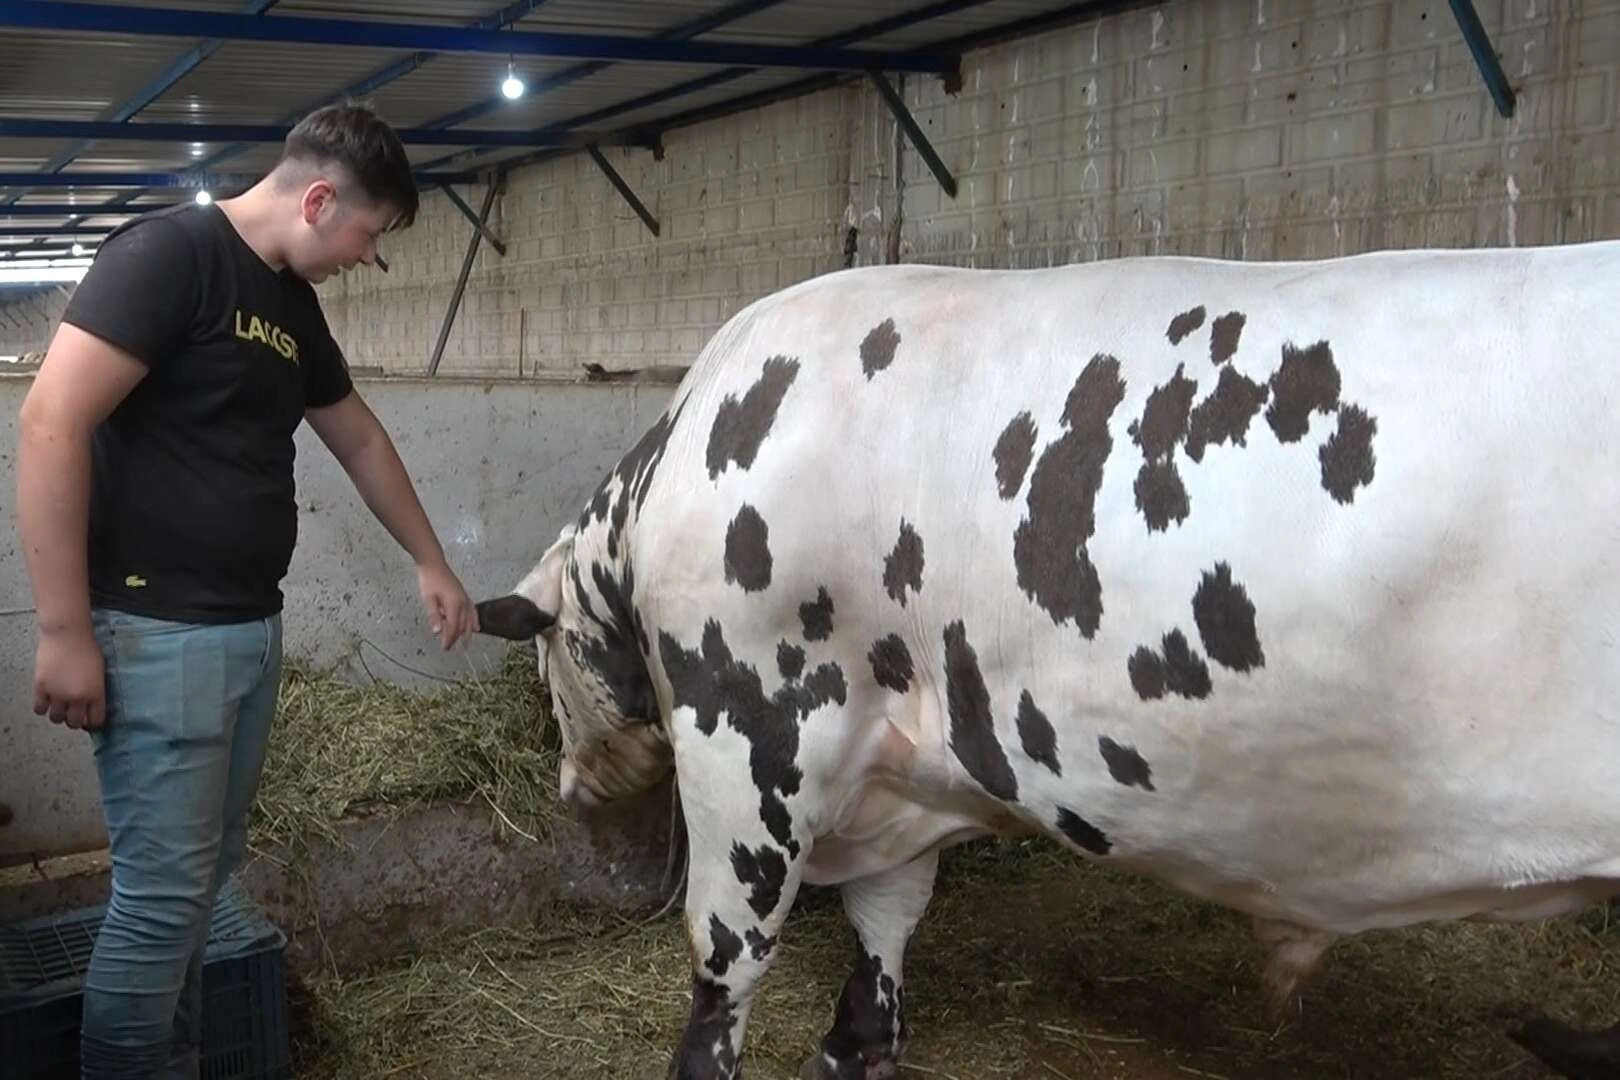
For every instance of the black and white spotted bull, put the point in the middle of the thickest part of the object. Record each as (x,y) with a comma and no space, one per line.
(1296,586)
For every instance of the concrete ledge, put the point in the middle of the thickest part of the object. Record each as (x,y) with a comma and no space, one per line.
(394,883)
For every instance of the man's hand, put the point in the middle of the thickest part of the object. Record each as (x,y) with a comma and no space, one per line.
(70,679)
(450,610)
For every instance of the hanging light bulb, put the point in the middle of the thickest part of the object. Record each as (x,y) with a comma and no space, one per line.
(512,88)
(203,198)
(78,249)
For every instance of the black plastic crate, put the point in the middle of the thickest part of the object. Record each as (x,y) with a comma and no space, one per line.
(42,967)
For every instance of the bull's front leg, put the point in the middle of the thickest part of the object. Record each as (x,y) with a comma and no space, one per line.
(739,891)
(868,1035)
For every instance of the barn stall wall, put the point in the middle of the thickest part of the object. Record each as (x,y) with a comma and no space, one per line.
(1252,129)
(27,321)
(1270,129)
(500,467)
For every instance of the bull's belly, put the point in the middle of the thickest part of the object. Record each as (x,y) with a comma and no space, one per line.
(1342,852)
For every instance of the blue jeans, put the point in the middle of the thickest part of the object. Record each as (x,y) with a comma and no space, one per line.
(188,717)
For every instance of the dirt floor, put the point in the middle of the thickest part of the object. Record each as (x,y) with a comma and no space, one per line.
(1028,964)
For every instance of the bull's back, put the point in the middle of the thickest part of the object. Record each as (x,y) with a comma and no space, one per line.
(1293,574)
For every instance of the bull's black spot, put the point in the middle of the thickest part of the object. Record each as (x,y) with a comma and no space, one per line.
(759,946)
(1177,670)
(582,595)
(1184,324)
(727,947)
(1035,732)
(616,655)
(712,682)
(764,871)
(789,660)
(707,1047)
(869,1023)
(903,566)
(598,508)
(613,655)
(1225,617)
(973,729)
(740,427)
(1161,496)
(1049,546)
(1224,416)
(1307,381)
(1347,457)
(1125,764)
(1083,832)
(877,350)
(891,663)
(1014,451)
(633,477)
(748,552)
(816,616)
(1146,669)
(1164,417)
(1223,336)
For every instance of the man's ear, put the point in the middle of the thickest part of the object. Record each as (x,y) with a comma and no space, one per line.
(319,195)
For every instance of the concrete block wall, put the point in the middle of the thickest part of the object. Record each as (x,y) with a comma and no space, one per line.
(1264,129)
(27,322)
(746,205)
(1248,129)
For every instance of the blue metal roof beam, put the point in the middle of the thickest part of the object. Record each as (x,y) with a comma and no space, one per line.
(511,13)
(382,77)
(11,127)
(72,210)
(212,181)
(681,32)
(13,231)
(169,22)
(182,66)
(877,28)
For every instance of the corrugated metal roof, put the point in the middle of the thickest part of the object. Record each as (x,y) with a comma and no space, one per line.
(64,75)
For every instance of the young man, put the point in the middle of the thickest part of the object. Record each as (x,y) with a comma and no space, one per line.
(155,499)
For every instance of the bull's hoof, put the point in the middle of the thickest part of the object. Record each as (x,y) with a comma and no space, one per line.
(1578,1055)
(821,1067)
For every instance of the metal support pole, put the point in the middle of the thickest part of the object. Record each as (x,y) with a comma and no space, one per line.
(1490,66)
(908,124)
(461,282)
(624,189)
(467,212)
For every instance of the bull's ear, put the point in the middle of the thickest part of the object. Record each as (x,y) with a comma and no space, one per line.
(516,618)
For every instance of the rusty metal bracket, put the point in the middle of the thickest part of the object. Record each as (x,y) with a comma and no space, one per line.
(467,212)
(466,271)
(1490,65)
(914,133)
(624,189)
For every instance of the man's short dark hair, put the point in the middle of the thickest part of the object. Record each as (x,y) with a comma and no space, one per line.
(360,141)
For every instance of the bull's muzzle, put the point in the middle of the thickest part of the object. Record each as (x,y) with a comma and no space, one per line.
(625,762)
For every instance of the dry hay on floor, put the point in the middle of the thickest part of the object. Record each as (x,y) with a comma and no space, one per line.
(339,746)
(1028,964)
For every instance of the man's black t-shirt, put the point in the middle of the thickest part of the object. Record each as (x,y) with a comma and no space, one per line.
(192,509)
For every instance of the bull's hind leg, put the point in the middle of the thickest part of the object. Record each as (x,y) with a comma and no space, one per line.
(1294,952)
(738,893)
(868,1035)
